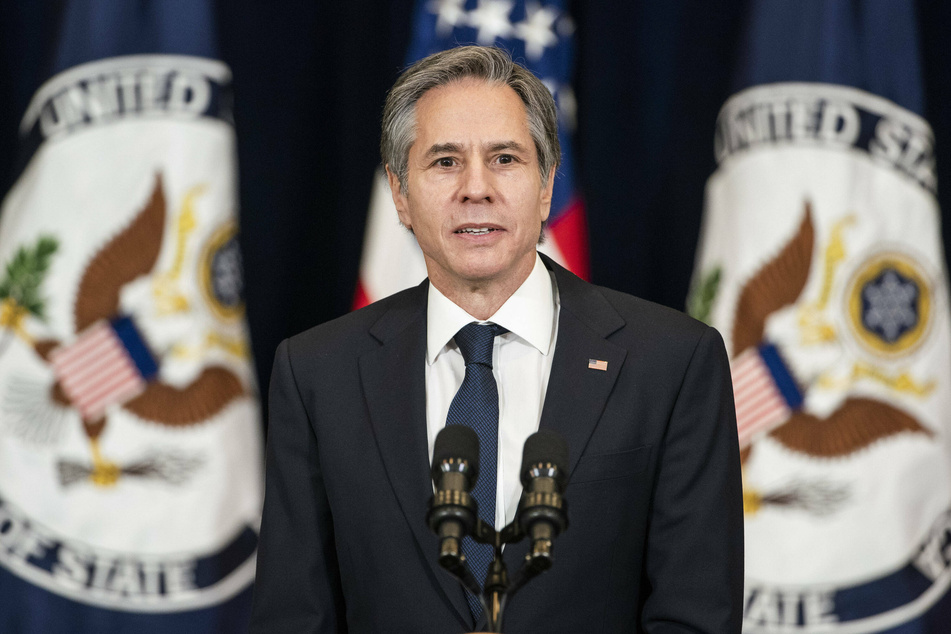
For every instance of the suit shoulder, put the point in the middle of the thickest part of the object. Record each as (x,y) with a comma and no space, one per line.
(660,332)
(653,317)
(624,315)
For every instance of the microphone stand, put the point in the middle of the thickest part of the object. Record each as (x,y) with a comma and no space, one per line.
(453,513)
(497,584)
(497,590)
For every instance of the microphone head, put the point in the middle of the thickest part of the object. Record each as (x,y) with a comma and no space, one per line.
(545,447)
(456,443)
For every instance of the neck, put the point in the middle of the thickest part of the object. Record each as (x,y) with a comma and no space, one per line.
(480,298)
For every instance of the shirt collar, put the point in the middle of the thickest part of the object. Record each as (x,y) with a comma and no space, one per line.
(529,313)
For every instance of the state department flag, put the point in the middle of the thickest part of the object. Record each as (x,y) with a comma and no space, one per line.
(821,263)
(539,35)
(130,441)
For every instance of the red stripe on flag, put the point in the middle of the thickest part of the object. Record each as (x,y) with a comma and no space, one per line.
(760,405)
(766,410)
(751,398)
(570,233)
(768,419)
(96,371)
(120,388)
(360,297)
(748,376)
(105,382)
(750,385)
(64,356)
(81,375)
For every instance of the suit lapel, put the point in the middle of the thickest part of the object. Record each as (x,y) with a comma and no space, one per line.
(394,383)
(577,394)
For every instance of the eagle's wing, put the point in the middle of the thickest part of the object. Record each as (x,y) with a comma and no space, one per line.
(858,423)
(777,284)
(128,255)
(164,404)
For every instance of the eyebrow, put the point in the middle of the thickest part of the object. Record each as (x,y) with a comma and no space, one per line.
(507,145)
(450,148)
(444,148)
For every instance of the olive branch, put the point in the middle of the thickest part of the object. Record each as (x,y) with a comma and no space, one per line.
(700,302)
(20,287)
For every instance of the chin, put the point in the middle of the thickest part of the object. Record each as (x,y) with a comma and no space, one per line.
(480,274)
(483,265)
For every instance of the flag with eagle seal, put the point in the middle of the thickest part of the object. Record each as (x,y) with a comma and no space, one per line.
(130,440)
(821,263)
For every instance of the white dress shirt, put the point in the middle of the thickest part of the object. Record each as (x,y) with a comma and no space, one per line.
(521,364)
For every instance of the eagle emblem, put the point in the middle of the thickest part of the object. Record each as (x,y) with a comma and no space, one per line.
(858,421)
(109,364)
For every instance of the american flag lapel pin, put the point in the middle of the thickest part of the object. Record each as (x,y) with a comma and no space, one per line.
(597,364)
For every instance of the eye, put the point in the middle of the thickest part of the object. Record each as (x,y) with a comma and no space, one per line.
(506,159)
(445,161)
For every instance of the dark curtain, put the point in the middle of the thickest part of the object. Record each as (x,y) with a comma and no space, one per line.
(309,80)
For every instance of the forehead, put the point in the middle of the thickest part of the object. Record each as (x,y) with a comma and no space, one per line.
(471,110)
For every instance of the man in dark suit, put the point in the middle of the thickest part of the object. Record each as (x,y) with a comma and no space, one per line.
(641,393)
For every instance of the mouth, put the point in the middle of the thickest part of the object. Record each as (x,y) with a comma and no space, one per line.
(476,231)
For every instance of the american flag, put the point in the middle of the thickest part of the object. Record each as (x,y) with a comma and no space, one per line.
(764,391)
(108,364)
(539,35)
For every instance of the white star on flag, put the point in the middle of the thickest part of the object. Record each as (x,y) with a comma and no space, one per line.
(536,29)
(449,14)
(491,18)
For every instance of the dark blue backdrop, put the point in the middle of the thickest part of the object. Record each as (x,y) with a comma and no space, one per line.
(309,80)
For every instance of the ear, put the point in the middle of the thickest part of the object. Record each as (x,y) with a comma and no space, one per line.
(399,198)
(547,193)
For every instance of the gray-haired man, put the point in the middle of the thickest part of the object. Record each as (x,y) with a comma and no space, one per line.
(641,393)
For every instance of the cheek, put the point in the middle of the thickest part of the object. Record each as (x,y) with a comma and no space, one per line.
(427,211)
(423,222)
(539,208)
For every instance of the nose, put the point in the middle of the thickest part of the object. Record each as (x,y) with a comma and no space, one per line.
(477,183)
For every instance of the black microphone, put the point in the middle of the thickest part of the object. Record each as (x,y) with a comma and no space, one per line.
(543,511)
(453,511)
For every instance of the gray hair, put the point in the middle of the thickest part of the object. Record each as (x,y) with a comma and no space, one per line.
(492,65)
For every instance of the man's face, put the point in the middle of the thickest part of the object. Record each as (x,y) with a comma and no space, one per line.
(474,196)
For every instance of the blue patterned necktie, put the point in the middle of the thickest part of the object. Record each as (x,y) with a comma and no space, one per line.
(476,405)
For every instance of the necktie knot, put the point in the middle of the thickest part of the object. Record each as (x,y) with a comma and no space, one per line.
(475,342)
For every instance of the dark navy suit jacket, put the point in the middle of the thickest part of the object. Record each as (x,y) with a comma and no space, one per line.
(655,540)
